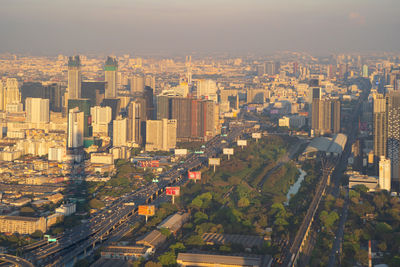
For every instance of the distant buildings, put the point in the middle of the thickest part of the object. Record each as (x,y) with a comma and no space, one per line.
(136,84)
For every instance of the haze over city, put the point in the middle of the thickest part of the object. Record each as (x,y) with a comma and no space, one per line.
(46,27)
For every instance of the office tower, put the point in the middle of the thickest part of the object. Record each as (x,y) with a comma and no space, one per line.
(160,134)
(325,117)
(136,117)
(12,94)
(120,132)
(83,105)
(384,174)
(207,89)
(37,110)
(101,118)
(393,133)
(74,77)
(150,81)
(137,84)
(255,96)
(189,69)
(277,67)
(94,91)
(148,96)
(75,128)
(111,68)
(379,126)
(365,71)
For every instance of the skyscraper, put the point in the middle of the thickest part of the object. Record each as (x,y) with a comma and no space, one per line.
(325,117)
(75,128)
(120,132)
(207,89)
(37,110)
(84,106)
(384,173)
(136,117)
(101,119)
(393,133)
(379,126)
(111,68)
(74,77)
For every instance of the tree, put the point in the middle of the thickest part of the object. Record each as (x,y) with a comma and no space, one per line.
(96,203)
(328,219)
(153,264)
(167,259)
(178,247)
(166,232)
(243,202)
(37,234)
(200,217)
(194,240)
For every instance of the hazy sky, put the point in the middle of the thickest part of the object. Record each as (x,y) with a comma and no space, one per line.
(181,26)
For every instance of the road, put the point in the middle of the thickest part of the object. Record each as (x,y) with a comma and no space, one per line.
(116,216)
(15,260)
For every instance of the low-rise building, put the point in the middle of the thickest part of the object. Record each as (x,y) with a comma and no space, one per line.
(207,260)
(67,209)
(22,225)
(125,252)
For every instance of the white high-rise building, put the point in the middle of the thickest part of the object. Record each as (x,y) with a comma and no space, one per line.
(37,110)
(101,118)
(137,83)
(111,77)
(150,81)
(2,96)
(207,89)
(384,174)
(160,134)
(74,78)
(120,132)
(75,128)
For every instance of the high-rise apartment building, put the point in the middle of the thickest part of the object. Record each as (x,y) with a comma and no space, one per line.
(384,173)
(160,134)
(120,132)
(74,77)
(111,77)
(150,81)
(75,128)
(37,110)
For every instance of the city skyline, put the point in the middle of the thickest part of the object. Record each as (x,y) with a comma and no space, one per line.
(47,28)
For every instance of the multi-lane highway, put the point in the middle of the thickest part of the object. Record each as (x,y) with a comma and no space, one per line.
(80,239)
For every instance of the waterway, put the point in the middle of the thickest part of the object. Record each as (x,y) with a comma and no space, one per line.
(296,186)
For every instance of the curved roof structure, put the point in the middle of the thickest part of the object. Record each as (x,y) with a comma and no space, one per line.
(327,144)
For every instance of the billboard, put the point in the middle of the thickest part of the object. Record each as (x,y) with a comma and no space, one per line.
(214,161)
(181,152)
(194,175)
(173,191)
(256,135)
(242,142)
(146,210)
(149,163)
(228,151)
